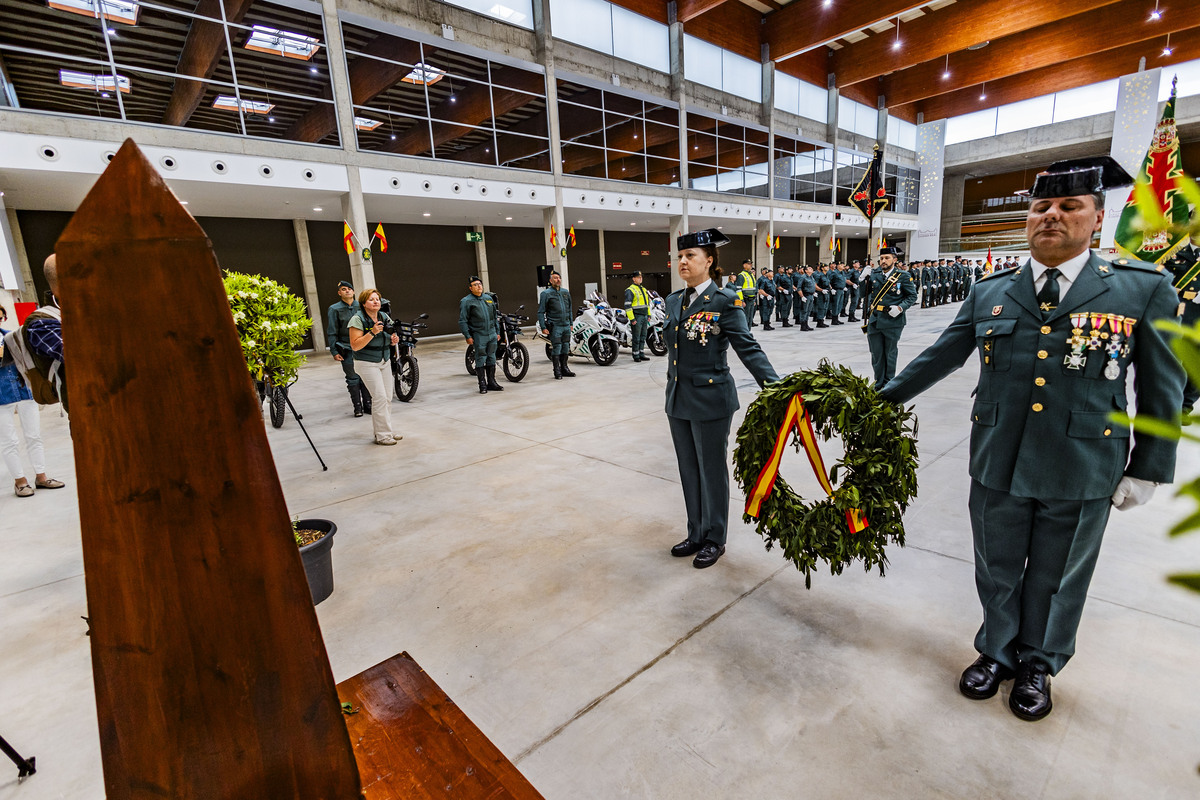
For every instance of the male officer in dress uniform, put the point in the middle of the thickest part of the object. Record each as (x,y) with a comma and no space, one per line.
(703,320)
(766,298)
(746,287)
(554,320)
(837,294)
(637,308)
(799,300)
(853,278)
(806,287)
(477,321)
(1189,295)
(821,298)
(337,339)
(892,292)
(783,297)
(1056,338)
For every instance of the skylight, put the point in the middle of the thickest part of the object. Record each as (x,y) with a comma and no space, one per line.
(125,11)
(228,103)
(285,43)
(97,83)
(423,73)
(364,124)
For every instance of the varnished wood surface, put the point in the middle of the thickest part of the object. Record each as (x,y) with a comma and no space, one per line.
(211,676)
(413,742)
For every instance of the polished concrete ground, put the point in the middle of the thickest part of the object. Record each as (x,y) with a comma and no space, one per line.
(516,545)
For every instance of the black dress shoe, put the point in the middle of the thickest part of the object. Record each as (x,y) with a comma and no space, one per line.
(982,679)
(1030,698)
(708,555)
(685,548)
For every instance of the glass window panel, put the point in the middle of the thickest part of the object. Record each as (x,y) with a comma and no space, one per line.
(441,66)
(584,22)
(452,140)
(405,98)
(514,12)
(528,119)
(577,158)
(1189,80)
(741,76)
(814,102)
(622,104)
(523,152)
(662,171)
(156,41)
(640,40)
(730,181)
(1025,114)
(787,92)
(705,183)
(975,125)
(667,115)
(702,62)
(902,133)
(866,120)
(663,139)
(504,76)
(579,122)
(845,113)
(398,133)
(1098,98)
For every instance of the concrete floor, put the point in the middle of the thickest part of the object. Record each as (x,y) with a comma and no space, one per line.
(516,545)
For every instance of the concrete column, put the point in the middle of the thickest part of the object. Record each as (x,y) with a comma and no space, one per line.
(1133,125)
(309,278)
(954,189)
(763,236)
(362,271)
(931,158)
(545,55)
(10,264)
(825,252)
(25,288)
(603,266)
(339,80)
(481,265)
(556,255)
(678,226)
(679,94)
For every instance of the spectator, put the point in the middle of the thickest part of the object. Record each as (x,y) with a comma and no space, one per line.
(372,361)
(15,397)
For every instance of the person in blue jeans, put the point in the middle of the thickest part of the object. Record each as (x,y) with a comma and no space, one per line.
(16,402)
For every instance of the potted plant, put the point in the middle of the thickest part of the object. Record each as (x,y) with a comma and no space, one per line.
(271,322)
(315,540)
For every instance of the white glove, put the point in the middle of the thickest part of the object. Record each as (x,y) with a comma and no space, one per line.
(894,311)
(1132,492)
(1196,299)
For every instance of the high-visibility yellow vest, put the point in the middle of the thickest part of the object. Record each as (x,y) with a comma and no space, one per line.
(641,299)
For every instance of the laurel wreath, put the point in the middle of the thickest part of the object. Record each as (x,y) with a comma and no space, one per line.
(878,470)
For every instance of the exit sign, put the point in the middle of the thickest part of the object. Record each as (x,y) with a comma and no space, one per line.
(645,252)
(616,265)
(474,236)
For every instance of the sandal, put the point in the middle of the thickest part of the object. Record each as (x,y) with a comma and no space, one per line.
(24,491)
(50,483)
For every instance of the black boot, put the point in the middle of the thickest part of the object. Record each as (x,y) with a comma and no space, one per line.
(557,367)
(481,375)
(566,370)
(356,400)
(365,396)
(491,379)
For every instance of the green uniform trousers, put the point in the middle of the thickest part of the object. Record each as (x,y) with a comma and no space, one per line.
(701,448)
(1033,562)
(783,306)
(640,324)
(560,339)
(884,344)
(485,351)
(749,309)
(766,306)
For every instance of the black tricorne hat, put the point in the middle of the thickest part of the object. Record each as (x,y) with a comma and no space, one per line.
(637,273)
(347,284)
(708,236)
(890,250)
(1079,176)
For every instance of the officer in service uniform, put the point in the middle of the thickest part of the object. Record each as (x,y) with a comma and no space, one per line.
(744,283)
(702,322)
(477,321)
(837,294)
(892,292)
(554,321)
(1056,338)
(766,298)
(1189,296)
(806,290)
(337,339)
(637,309)
(821,297)
(853,281)
(783,297)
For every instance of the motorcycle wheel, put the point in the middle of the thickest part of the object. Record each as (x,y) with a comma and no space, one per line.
(604,351)
(470,359)
(657,344)
(407,377)
(516,362)
(278,406)
(549,353)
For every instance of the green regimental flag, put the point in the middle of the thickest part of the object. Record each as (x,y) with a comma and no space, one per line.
(1160,171)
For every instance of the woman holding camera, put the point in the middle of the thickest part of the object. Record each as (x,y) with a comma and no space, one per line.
(372,361)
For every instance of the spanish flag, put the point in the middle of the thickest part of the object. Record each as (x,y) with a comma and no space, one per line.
(553,237)
(987,265)
(776,243)
(347,237)
(381,237)
(571,236)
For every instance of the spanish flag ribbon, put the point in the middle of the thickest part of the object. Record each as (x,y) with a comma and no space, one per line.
(381,237)
(347,237)
(797,417)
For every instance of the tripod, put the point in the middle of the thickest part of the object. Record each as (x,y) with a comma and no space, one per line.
(306,436)
(25,767)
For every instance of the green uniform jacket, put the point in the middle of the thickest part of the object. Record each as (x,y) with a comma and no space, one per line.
(902,293)
(767,285)
(699,386)
(1040,428)
(337,331)
(477,316)
(837,280)
(783,284)
(554,308)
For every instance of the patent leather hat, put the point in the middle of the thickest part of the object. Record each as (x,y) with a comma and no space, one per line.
(1078,176)
(708,236)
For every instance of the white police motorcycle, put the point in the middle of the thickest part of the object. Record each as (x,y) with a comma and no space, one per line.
(593,335)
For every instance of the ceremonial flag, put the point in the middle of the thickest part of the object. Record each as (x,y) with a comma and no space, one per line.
(380,236)
(1157,184)
(776,243)
(571,236)
(870,197)
(987,264)
(347,237)
(553,237)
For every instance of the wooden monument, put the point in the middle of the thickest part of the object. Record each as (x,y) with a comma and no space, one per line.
(211,676)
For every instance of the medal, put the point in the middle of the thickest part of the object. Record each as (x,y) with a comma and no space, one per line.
(1075,360)
(715,329)
(1112,370)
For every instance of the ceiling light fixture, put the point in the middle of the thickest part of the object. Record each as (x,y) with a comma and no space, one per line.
(946,71)
(1155,15)
(827,3)
(508,219)
(983,91)
(1167,49)
(896,44)
(426,214)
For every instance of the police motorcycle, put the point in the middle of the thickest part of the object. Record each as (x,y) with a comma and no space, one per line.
(622,328)
(593,335)
(405,372)
(511,355)
(656,338)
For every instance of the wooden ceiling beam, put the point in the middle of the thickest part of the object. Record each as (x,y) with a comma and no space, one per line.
(687,10)
(807,24)
(1094,31)
(732,26)
(202,51)
(472,106)
(1069,75)
(949,30)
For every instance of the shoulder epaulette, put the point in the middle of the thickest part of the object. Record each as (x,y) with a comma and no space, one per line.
(1133,263)
(997,273)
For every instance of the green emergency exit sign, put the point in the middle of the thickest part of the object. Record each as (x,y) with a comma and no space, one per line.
(474,236)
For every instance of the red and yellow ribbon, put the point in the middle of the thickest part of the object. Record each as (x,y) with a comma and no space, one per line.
(797,417)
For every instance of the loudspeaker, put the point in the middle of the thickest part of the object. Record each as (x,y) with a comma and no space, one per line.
(543,275)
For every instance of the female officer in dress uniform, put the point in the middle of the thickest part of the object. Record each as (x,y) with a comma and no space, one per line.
(703,320)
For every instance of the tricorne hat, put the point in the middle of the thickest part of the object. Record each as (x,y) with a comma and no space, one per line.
(1079,176)
(708,236)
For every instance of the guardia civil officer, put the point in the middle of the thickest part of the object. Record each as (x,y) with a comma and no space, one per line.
(783,297)
(744,282)
(806,288)
(337,339)
(821,298)
(1056,338)
(766,298)
(702,322)
(892,293)
(554,321)
(637,309)
(1180,263)
(837,294)
(478,323)
(853,278)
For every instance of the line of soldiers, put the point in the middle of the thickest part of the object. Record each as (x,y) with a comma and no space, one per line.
(797,296)
(945,280)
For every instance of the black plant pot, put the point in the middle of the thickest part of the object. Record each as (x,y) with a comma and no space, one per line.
(318,558)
